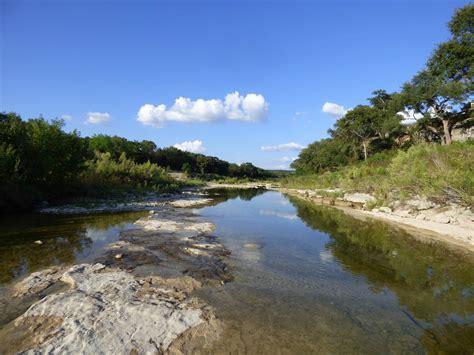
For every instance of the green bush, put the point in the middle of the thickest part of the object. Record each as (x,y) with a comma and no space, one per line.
(104,174)
(443,173)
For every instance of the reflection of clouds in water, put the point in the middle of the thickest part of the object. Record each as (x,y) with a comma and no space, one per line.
(326,256)
(289,216)
(251,255)
(100,235)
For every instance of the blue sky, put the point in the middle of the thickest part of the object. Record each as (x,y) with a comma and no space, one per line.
(103,61)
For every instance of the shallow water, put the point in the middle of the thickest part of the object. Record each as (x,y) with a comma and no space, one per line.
(311,279)
(308,279)
(66,239)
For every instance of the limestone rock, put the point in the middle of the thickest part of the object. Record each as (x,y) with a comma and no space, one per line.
(112,312)
(385,210)
(190,202)
(359,198)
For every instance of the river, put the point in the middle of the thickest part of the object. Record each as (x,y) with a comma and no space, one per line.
(308,279)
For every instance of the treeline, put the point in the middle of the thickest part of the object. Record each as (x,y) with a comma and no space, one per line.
(174,159)
(430,107)
(39,161)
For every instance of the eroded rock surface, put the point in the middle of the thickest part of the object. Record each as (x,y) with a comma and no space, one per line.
(190,202)
(110,311)
(138,302)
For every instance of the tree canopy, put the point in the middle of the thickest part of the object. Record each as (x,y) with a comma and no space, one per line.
(428,107)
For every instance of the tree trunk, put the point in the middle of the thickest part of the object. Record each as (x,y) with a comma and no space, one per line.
(447,133)
(364,145)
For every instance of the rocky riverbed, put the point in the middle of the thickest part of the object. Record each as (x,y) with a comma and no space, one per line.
(135,298)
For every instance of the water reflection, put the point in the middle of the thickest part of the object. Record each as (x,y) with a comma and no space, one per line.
(65,240)
(289,216)
(222,195)
(434,284)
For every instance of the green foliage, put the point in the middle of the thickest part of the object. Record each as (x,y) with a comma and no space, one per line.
(442,90)
(140,152)
(323,155)
(40,162)
(440,94)
(439,172)
(106,174)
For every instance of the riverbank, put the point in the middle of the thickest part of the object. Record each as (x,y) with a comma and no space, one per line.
(137,297)
(451,224)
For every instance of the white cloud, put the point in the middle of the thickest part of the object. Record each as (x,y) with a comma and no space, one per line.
(284,146)
(410,116)
(234,107)
(335,110)
(191,146)
(286,159)
(98,117)
(66,117)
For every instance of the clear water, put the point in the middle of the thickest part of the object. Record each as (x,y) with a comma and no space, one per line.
(65,240)
(309,279)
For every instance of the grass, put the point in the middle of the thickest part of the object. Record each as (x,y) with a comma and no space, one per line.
(440,173)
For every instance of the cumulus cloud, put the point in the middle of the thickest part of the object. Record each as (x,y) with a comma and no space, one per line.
(234,107)
(195,146)
(283,146)
(98,117)
(335,110)
(66,117)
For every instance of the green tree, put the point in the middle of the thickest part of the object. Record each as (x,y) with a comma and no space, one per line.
(361,125)
(442,90)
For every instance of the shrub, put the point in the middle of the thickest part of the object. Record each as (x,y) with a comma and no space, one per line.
(444,173)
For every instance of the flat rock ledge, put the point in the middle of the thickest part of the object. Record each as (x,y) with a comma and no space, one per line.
(133,299)
(185,199)
(107,311)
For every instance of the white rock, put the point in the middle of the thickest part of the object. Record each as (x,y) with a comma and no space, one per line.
(420,204)
(39,242)
(440,218)
(190,203)
(152,224)
(359,198)
(105,313)
(385,210)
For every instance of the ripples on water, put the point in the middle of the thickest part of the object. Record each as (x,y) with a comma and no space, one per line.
(308,278)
